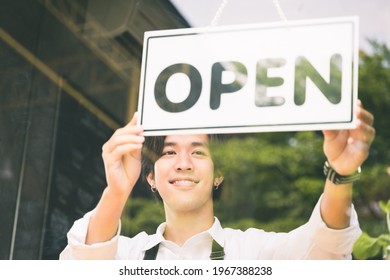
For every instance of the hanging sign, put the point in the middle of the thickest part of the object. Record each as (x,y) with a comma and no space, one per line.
(284,76)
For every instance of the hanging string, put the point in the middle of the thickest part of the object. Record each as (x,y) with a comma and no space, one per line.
(279,10)
(223,4)
(218,14)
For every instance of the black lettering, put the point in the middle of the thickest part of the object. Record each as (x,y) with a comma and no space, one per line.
(217,88)
(304,69)
(160,93)
(263,82)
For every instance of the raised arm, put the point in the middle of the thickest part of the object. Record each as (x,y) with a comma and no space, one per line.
(122,163)
(345,150)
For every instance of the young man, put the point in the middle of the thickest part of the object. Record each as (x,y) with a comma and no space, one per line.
(182,172)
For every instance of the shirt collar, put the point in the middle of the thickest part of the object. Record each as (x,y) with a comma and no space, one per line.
(156,238)
(215,231)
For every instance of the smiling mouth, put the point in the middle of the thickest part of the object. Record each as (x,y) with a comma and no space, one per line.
(183,182)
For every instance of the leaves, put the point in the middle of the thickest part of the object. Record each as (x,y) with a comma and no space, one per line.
(385,206)
(366,247)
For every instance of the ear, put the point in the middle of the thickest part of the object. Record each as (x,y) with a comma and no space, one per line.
(218,181)
(150,179)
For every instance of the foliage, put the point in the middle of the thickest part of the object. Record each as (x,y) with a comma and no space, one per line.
(142,215)
(374,85)
(267,176)
(367,247)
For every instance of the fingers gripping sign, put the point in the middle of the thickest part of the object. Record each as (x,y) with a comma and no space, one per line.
(346,150)
(122,157)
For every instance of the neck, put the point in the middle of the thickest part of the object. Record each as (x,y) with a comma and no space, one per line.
(181,227)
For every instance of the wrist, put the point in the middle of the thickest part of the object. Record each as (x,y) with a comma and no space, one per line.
(339,179)
(116,195)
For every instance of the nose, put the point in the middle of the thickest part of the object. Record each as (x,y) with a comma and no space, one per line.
(184,162)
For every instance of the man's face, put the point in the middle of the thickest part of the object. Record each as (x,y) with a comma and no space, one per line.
(184,173)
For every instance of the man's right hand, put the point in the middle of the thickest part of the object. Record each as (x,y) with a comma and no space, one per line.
(122,158)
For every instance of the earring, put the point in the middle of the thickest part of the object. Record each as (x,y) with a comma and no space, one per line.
(153,188)
(217,182)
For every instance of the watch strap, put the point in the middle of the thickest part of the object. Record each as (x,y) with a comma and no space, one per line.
(338,179)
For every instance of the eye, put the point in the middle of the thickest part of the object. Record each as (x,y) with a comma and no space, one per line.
(199,153)
(168,153)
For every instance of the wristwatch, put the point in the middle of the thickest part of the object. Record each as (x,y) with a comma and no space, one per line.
(338,179)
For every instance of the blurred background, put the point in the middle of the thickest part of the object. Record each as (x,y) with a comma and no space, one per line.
(69,76)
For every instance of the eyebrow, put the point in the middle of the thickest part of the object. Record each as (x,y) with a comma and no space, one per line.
(193,144)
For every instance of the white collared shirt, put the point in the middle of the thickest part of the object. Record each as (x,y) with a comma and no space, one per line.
(313,240)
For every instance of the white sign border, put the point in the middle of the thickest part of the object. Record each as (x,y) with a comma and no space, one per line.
(350,124)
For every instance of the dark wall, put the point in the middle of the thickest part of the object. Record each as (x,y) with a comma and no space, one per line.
(27,117)
(60,100)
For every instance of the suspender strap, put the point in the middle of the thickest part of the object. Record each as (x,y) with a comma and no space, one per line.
(151,254)
(217,252)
